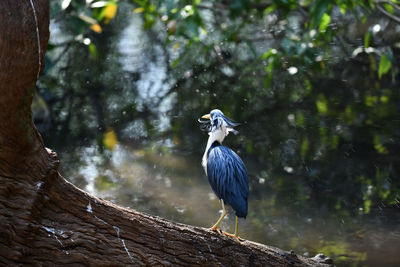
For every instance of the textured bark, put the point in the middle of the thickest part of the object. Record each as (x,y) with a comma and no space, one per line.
(46,221)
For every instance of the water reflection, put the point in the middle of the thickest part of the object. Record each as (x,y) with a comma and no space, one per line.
(149,180)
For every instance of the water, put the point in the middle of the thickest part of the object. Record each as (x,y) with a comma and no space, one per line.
(172,184)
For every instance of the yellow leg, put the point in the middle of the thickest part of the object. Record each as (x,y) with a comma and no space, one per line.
(215,226)
(236,235)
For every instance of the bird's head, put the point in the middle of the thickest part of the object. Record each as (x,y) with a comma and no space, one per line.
(217,121)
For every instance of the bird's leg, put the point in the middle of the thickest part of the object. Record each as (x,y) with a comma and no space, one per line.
(236,234)
(215,226)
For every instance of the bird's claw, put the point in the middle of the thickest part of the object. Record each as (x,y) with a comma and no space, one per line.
(215,229)
(236,238)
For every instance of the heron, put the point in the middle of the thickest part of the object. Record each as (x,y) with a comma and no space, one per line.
(225,170)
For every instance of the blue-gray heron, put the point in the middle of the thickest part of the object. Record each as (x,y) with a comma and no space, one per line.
(226,172)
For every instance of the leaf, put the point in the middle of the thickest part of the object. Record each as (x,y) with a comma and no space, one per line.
(325,20)
(318,10)
(304,147)
(367,39)
(389,8)
(343,8)
(93,50)
(175,63)
(384,65)
(138,10)
(96,28)
(149,20)
(270,9)
(110,12)
(110,139)
(270,67)
(371,101)
(378,145)
(322,105)
(269,53)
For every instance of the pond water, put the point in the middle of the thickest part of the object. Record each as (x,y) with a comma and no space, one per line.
(121,136)
(172,184)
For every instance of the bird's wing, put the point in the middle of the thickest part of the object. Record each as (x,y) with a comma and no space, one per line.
(228,178)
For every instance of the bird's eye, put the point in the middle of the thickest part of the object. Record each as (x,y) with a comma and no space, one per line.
(217,123)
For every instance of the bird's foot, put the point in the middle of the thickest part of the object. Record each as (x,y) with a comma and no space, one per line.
(235,237)
(215,229)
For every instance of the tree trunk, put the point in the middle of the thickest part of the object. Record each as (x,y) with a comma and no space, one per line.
(45,220)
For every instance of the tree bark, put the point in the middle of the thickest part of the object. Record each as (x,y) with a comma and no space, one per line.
(46,221)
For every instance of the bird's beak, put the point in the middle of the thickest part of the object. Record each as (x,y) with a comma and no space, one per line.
(207,116)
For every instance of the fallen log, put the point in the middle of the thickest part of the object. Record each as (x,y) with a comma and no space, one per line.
(49,221)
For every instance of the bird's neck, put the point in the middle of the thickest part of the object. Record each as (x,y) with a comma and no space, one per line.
(215,136)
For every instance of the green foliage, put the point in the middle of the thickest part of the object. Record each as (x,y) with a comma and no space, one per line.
(325,20)
(317,11)
(367,39)
(384,65)
(322,105)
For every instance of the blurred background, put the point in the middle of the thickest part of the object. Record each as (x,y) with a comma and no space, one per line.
(315,85)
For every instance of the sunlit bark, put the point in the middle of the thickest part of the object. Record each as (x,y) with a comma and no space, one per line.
(45,220)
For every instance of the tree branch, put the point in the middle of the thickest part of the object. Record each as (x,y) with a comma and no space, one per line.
(386,13)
